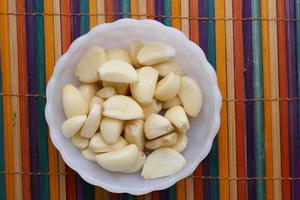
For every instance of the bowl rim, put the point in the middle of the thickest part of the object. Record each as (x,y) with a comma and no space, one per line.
(213,81)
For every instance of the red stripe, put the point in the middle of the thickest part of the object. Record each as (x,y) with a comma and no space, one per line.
(239,93)
(284,130)
(109,10)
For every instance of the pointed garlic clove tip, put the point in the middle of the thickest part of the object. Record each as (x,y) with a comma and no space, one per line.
(154,53)
(165,68)
(92,122)
(72,125)
(120,159)
(154,107)
(162,162)
(178,118)
(80,142)
(88,90)
(171,103)
(168,87)
(120,88)
(106,92)
(163,141)
(88,154)
(190,95)
(134,49)
(111,129)
(157,125)
(117,71)
(137,166)
(181,143)
(89,63)
(73,102)
(122,107)
(143,91)
(134,133)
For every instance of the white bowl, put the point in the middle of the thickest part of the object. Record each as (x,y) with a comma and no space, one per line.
(120,34)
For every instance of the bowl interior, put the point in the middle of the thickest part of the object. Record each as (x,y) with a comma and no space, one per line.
(200,134)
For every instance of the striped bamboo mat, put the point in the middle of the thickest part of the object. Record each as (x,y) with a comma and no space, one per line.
(254,46)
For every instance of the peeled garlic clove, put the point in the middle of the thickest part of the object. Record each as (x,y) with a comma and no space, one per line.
(171,103)
(73,102)
(89,63)
(120,88)
(134,133)
(143,91)
(137,166)
(165,68)
(95,100)
(190,95)
(134,49)
(156,125)
(79,141)
(88,90)
(88,154)
(181,143)
(153,107)
(154,53)
(118,54)
(120,159)
(178,118)
(98,145)
(72,125)
(163,162)
(106,92)
(117,71)
(168,87)
(163,141)
(111,129)
(122,107)
(92,122)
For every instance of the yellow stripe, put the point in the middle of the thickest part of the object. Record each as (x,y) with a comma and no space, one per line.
(100,10)
(49,64)
(273,49)
(134,9)
(221,75)
(15,101)
(7,115)
(93,10)
(230,105)
(176,23)
(185,14)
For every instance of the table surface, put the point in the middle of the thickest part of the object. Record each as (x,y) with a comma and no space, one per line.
(254,47)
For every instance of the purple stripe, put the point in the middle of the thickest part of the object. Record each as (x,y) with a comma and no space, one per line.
(75,28)
(248,63)
(202,25)
(203,45)
(32,89)
(158,10)
(117,9)
(292,92)
(163,194)
(75,19)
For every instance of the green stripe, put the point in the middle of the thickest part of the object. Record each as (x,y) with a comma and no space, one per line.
(172,192)
(42,127)
(89,189)
(130,197)
(2,165)
(167,12)
(259,136)
(84,19)
(126,8)
(211,56)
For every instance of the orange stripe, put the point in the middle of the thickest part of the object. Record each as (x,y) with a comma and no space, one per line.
(7,115)
(267,94)
(180,190)
(198,183)
(134,9)
(239,94)
(155,195)
(49,64)
(150,9)
(92,11)
(176,22)
(221,75)
(22,56)
(285,170)
(194,27)
(109,10)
